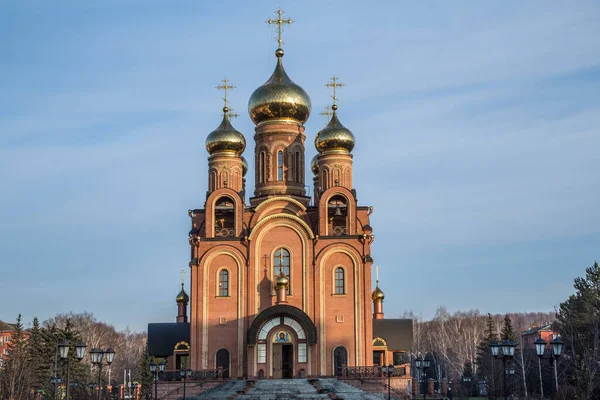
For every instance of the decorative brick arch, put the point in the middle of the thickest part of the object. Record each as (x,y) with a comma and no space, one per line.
(283,310)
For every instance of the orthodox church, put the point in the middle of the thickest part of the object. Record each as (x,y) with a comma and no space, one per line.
(281,284)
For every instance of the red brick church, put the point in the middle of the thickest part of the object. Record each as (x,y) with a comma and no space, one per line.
(281,283)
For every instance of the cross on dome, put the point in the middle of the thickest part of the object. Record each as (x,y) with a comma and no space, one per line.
(335,83)
(279,22)
(327,113)
(182,276)
(224,87)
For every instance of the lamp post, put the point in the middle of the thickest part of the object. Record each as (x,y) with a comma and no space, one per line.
(55,381)
(63,350)
(423,364)
(389,370)
(507,349)
(134,385)
(467,382)
(161,368)
(184,374)
(555,352)
(97,356)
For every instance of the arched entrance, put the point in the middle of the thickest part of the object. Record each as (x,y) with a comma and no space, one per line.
(280,337)
(340,359)
(223,361)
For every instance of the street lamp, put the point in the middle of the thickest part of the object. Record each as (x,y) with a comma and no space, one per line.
(467,382)
(63,351)
(556,351)
(97,355)
(423,364)
(389,370)
(134,385)
(161,368)
(507,349)
(184,374)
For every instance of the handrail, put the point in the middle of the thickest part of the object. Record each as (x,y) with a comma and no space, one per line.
(372,371)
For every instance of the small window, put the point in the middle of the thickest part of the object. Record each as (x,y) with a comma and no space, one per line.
(301,352)
(261,167)
(224,283)
(282,263)
(297,167)
(339,280)
(262,353)
(280,165)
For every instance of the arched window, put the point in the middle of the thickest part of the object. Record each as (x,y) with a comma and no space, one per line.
(337,210)
(280,165)
(213,180)
(324,185)
(339,280)
(224,283)
(261,167)
(297,167)
(224,217)
(281,263)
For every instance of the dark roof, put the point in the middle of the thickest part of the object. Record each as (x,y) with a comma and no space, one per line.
(398,333)
(6,327)
(163,337)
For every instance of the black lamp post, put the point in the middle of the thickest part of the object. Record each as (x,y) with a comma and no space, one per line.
(161,368)
(55,381)
(63,351)
(134,385)
(184,374)
(466,380)
(423,364)
(556,351)
(389,370)
(97,355)
(507,349)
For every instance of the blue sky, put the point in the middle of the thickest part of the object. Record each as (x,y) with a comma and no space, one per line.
(477,127)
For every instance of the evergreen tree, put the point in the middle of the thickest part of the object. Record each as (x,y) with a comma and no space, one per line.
(579,324)
(143,374)
(15,374)
(36,353)
(485,362)
(508,332)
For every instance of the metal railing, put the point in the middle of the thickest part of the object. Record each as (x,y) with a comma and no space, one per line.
(200,375)
(374,371)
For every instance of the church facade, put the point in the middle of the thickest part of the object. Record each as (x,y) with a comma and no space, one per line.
(281,285)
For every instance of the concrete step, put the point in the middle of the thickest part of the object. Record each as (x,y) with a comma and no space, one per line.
(228,390)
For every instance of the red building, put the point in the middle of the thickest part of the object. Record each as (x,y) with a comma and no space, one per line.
(7,330)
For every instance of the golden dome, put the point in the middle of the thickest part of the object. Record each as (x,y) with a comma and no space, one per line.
(314,164)
(225,138)
(182,297)
(334,136)
(244,166)
(282,281)
(377,294)
(279,98)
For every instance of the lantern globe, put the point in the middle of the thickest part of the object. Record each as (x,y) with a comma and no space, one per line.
(540,346)
(426,363)
(110,355)
(495,347)
(418,363)
(508,348)
(63,349)
(96,356)
(390,369)
(557,346)
(152,367)
(182,373)
(80,350)
(161,366)
(189,372)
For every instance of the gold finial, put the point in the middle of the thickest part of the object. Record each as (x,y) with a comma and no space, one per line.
(224,87)
(327,113)
(279,22)
(182,276)
(335,83)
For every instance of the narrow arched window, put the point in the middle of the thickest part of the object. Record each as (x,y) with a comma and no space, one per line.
(224,283)
(261,167)
(224,217)
(324,185)
(280,165)
(281,263)
(297,167)
(339,280)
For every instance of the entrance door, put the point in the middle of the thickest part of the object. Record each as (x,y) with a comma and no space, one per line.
(340,359)
(277,361)
(287,361)
(223,361)
(378,358)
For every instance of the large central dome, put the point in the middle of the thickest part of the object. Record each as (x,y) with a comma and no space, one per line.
(279,98)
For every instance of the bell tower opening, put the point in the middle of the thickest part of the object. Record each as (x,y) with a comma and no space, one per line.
(337,213)
(224,217)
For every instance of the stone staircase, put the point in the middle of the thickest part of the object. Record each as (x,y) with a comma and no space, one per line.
(287,389)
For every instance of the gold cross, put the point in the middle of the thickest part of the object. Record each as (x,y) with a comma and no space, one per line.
(224,87)
(231,114)
(279,22)
(182,276)
(327,113)
(335,83)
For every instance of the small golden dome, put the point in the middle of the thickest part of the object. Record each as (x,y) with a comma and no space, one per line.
(225,138)
(377,294)
(182,297)
(279,98)
(314,164)
(244,166)
(282,281)
(334,136)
